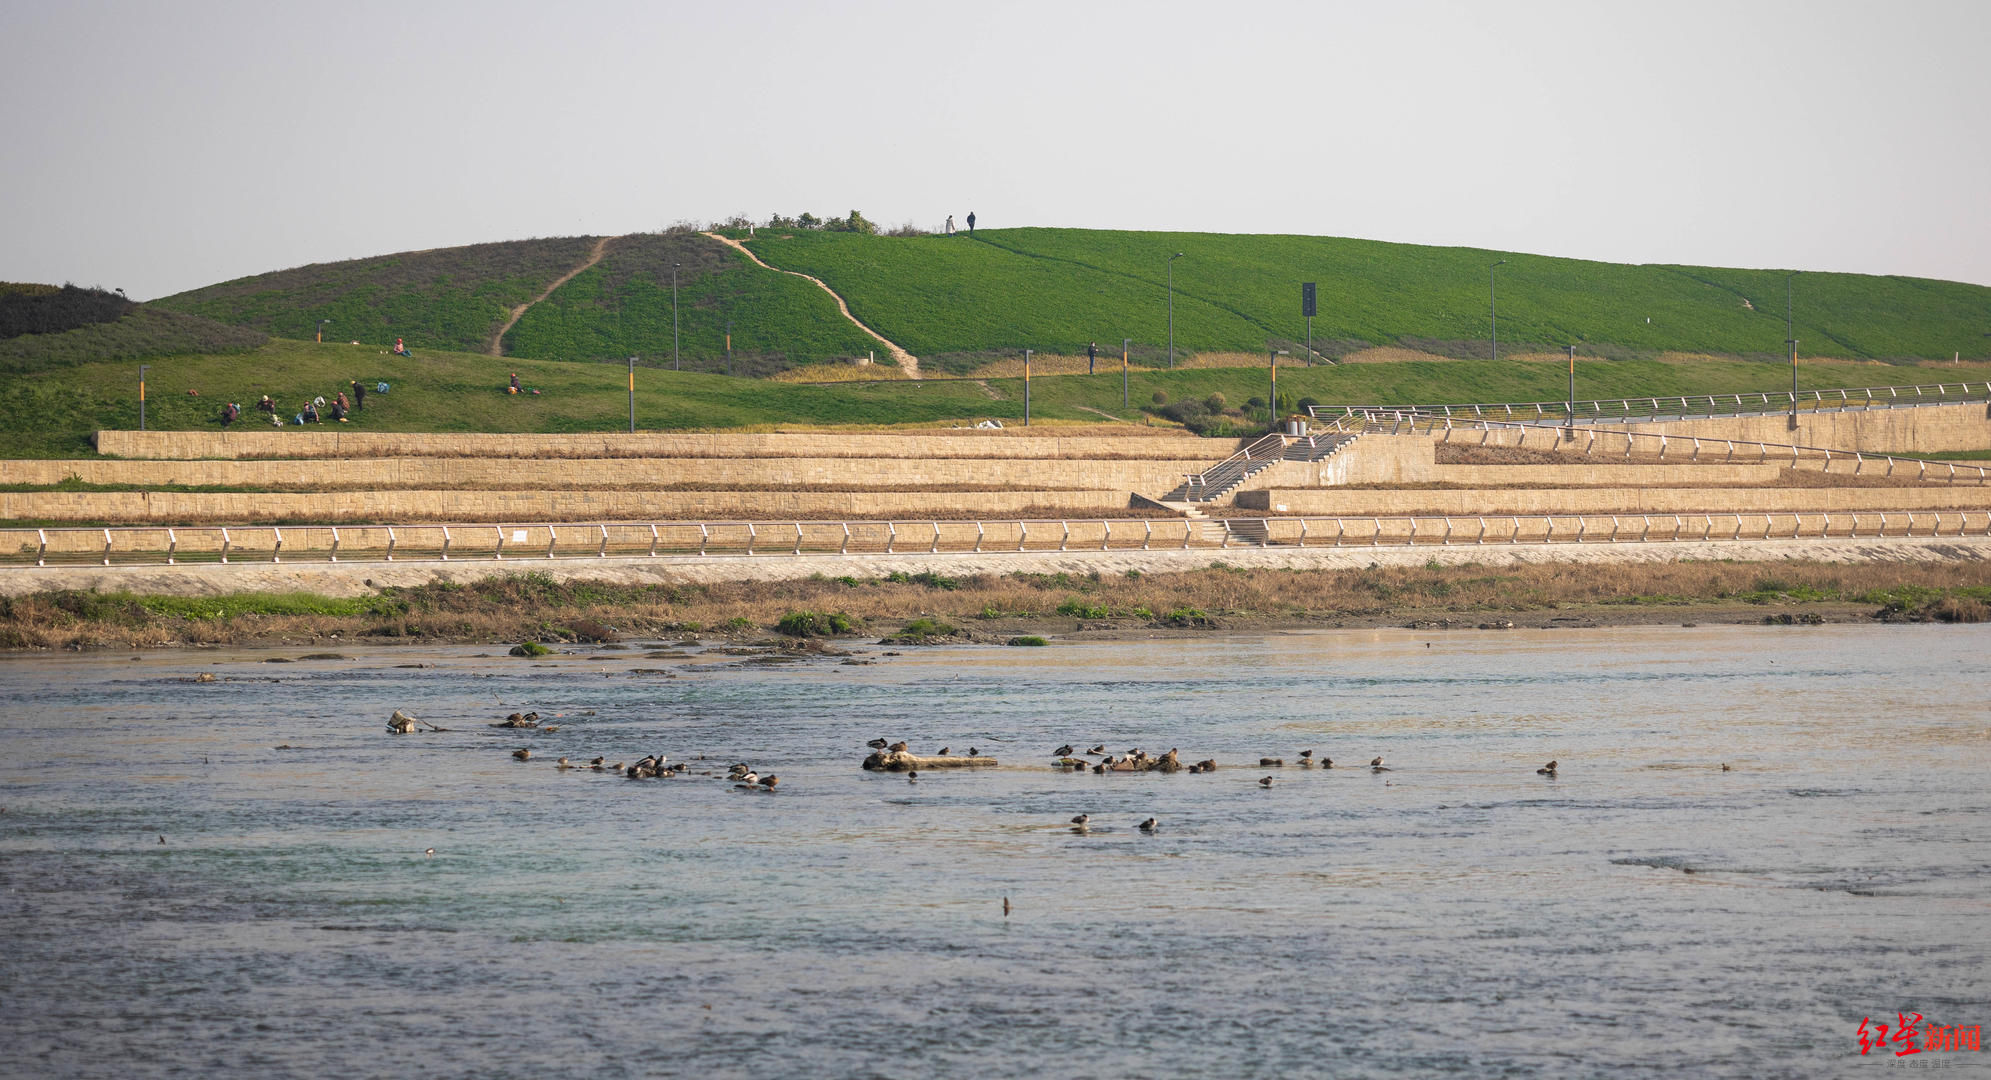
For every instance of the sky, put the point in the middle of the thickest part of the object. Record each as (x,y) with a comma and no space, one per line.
(157,147)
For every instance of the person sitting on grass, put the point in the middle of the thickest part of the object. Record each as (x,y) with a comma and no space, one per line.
(266,405)
(229,412)
(513,389)
(310,412)
(339,409)
(401,348)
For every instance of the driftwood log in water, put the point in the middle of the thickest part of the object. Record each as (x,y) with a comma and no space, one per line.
(901,761)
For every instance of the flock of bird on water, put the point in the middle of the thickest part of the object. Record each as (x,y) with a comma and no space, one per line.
(1066,757)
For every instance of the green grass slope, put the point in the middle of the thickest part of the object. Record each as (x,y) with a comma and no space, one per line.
(145,334)
(1056,289)
(447,298)
(53,414)
(622,307)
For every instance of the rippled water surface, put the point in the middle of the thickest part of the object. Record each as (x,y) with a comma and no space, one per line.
(1642,913)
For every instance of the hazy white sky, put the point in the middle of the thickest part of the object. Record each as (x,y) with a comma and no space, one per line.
(161,146)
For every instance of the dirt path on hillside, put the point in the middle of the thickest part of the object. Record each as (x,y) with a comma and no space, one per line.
(498,339)
(907,362)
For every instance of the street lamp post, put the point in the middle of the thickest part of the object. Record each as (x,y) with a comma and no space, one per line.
(674,324)
(321,330)
(142,369)
(729,346)
(632,395)
(1124,344)
(1493,307)
(1026,387)
(1171,309)
(1570,427)
(1790,341)
(1272,403)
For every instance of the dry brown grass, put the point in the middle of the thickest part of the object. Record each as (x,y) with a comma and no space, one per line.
(1074,364)
(836,373)
(1389,354)
(513,609)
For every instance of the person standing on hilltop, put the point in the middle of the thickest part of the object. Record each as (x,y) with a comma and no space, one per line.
(359,395)
(971,223)
(950,224)
(1091,356)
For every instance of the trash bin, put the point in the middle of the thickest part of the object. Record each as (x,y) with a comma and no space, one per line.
(1296,426)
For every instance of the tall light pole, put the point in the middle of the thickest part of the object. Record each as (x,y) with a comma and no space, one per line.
(1026,387)
(674,334)
(1272,403)
(1125,343)
(1790,340)
(632,395)
(321,330)
(1171,309)
(1493,306)
(1570,428)
(142,369)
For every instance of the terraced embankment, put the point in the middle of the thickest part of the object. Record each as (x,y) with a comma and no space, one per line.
(351,477)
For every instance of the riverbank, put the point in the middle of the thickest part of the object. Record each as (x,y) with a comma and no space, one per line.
(1436,589)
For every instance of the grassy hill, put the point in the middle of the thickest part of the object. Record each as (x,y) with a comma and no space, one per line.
(958,302)
(621,307)
(457,299)
(53,414)
(145,333)
(1056,289)
(448,298)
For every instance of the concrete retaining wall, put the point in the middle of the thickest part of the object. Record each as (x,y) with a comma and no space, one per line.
(448,472)
(172,507)
(338,443)
(1468,502)
(1924,430)
(1606,475)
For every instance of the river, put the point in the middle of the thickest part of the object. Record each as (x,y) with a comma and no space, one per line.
(232,878)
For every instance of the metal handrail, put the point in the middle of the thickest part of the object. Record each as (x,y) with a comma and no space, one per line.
(1869,397)
(146,545)
(1233,470)
(1799,454)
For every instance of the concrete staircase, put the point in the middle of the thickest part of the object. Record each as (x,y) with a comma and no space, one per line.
(1317,447)
(1199,489)
(1222,478)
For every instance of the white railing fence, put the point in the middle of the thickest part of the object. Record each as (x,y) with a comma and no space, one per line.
(1590,442)
(680,539)
(1688,406)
